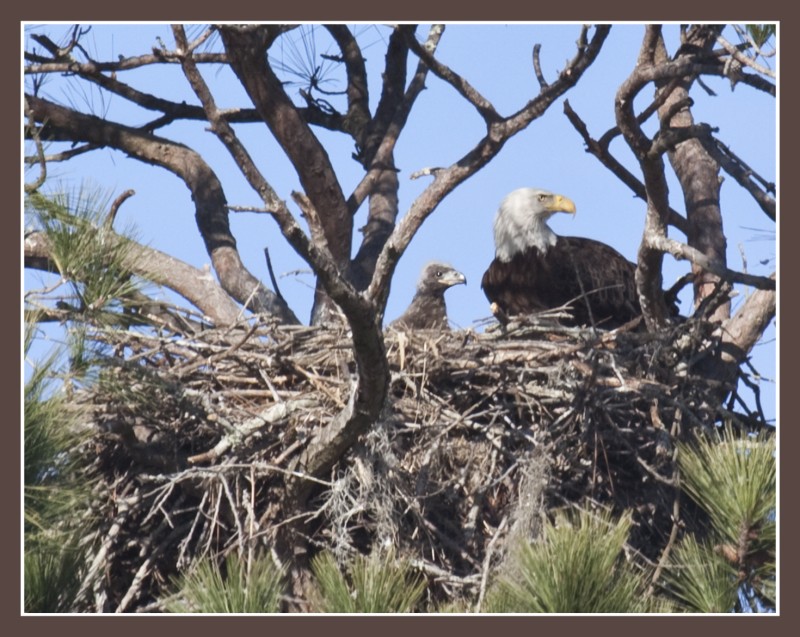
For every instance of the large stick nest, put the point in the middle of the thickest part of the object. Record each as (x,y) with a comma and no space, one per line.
(193,440)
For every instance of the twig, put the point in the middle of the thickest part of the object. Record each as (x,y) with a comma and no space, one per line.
(426,172)
(33,132)
(442,575)
(186,370)
(108,222)
(676,509)
(484,107)
(124,507)
(234,511)
(743,174)
(272,274)
(537,68)
(487,562)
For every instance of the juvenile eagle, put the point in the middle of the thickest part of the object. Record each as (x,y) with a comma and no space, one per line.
(534,269)
(428,309)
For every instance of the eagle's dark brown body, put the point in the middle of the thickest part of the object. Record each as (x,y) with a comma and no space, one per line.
(574,271)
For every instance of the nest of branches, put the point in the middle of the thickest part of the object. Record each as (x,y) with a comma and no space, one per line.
(194,439)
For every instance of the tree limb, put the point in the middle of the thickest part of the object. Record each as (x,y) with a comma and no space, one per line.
(464,88)
(737,55)
(743,174)
(316,253)
(33,133)
(371,384)
(246,48)
(601,152)
(196,286)
(448,178)
(125,64)
(649,259)
(381,178)
(695,256)
(744,329)
(358,116)
(696,170)
(738,335)
(60,123)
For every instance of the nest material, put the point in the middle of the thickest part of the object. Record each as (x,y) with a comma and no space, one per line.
(482,435)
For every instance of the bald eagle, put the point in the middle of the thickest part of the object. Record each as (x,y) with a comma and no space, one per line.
(534,269)
(428,309)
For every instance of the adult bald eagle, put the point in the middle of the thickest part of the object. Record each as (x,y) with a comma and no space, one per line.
(428,309)
(534,269)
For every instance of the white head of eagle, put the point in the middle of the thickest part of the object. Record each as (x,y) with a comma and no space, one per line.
(521,221)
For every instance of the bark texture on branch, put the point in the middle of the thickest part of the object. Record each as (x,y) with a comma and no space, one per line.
(196,286)
(247,54)
(697,171)
(61,123)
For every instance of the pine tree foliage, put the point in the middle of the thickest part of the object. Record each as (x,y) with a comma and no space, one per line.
(379,583)
(576,566)
(54,490)
(761,33)
(238,586)
(53,573)
(701,579)
(732,477)
(87,254)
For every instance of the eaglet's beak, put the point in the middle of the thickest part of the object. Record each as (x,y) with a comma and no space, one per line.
(453,278)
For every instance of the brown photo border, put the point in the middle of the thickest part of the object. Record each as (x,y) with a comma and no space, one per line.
(405,10)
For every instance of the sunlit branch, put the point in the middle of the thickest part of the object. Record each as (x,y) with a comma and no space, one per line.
(464,88)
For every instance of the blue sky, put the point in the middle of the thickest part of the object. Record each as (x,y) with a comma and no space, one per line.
(496,60)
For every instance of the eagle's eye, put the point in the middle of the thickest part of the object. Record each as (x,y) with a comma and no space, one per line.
(439,274)
(542,197)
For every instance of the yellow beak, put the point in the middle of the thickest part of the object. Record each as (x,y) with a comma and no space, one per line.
(560,203)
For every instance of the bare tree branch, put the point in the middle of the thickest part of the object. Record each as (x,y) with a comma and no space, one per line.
(381,180)
(246,48)
(448,178)
(316,253)
(65,155)
(744,329)
(358,116)
(60,123)
(33,133)
(738,335)
(172,110)
(195,285)
(737,55)
(115,206)
(464,88)
(537,66)
(676,249)
(125,64)
(696,170)
(371,384)
(695,256)
(649,259)
(600,150)
(743,174)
